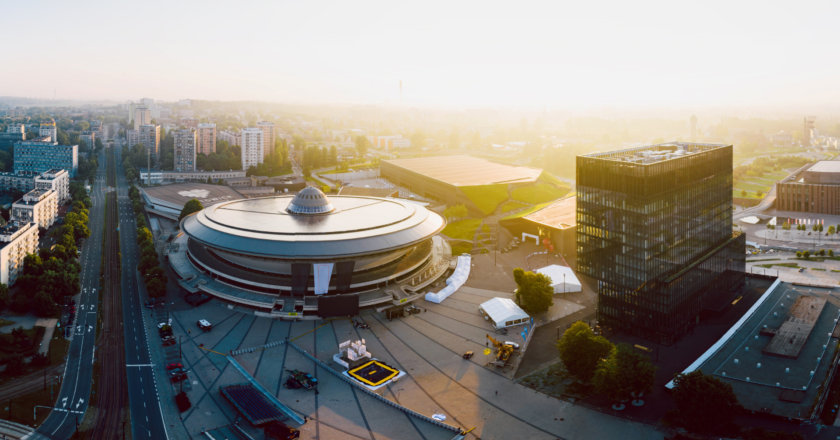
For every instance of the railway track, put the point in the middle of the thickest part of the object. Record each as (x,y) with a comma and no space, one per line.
(112,406)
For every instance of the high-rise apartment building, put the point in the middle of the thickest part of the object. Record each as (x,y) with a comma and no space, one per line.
(206,134)
(232,137)
(269,135)
(252,144)
(185,144)
(189,122)
(35,157)
(142,116)
(150,138)
(39,206)
(47,128)
(132,137)
(655,230)
(88,137)
(17,240)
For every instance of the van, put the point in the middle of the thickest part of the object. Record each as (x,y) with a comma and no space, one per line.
(204,325)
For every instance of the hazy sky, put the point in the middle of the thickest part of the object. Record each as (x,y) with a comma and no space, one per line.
(450,53)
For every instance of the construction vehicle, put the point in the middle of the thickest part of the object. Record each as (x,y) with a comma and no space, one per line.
(503,352)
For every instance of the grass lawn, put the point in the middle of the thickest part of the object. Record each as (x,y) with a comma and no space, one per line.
(769,266)
(817,268)
(548,178)
(509,206)
(486,197)
(58,349)
(750,194)
(760,181)
(464,229)
(461,248)
(5,322)
(22,407)
(539,193)
(751,187)
(527,211)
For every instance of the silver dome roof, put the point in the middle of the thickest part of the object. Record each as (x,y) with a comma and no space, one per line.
(310,200)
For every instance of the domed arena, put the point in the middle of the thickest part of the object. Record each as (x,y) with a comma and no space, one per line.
(311,255)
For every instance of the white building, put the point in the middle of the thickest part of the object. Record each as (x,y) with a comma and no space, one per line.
(252,147)
(15,127)
(37,206)
(17,240)
(132,137)
(142,116)
(48,129)
(398,143)
(232,137)
(57,180)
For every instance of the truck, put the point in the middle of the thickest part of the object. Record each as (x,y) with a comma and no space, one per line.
(503,352)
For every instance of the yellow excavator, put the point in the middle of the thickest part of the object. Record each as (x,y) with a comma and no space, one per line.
(503,352)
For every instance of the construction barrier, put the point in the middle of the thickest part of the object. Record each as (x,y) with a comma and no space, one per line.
(373,394)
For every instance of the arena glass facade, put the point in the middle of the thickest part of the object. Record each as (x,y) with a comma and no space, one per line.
(655,230)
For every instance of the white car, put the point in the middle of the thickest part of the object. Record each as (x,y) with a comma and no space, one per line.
(165,323)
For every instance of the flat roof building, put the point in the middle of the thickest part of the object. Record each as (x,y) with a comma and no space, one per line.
(88,137)
(17,240)
(37,157)
(185,140)
(48,128)
(814,188)
(57,180)
(142,116)
(37,206)
(252,143)
(150,138)
(232,137)
(170,199)
(206,138)
(655,230)
(269,135)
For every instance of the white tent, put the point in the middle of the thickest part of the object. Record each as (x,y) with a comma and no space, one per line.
(504,312)
(453,283)
(561,283)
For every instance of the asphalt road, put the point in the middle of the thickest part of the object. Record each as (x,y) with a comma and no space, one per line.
(146,413)
(76,385)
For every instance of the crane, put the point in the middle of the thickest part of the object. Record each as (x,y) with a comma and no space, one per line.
(503,351)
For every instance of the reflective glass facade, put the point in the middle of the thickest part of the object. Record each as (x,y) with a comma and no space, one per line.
(655,230)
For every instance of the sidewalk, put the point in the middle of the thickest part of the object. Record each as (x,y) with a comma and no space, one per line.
(49,325)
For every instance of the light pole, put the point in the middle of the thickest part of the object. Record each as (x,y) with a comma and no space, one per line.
(564,286)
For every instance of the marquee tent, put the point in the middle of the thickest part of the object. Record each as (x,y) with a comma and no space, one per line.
(561,284)
(504,312)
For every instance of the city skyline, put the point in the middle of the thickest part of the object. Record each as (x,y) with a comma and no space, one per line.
(558,56)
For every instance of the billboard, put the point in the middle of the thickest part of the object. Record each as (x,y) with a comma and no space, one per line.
(338,305)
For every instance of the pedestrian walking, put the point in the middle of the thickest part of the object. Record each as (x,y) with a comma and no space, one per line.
(497,393)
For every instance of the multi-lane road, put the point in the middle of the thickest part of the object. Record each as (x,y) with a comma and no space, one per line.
(146,414)
(76,385)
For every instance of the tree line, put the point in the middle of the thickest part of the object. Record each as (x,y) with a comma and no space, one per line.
(154,276)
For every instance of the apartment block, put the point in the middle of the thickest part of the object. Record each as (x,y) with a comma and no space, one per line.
(150,138)
(37,157)
(57,180)
(47,128)
(189,122)
(17,240)
(269,135)
(185,145)
(142,116)
(37,206)
(132,137)
(88,137)
(253,145)
(232,137)
(206,134)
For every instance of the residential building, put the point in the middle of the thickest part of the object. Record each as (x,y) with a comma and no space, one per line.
(655,230)
(16,127)
(37,206)
(10,182)
(9,138)
(206,134)
(150,138)
(47,128)
(268,136)
(37,157)
(142,116)
(57,180)
(132,137)
(185,144)
(381,142)
(17,240)
(189,122)
(253,145)
(398,143)
(232,137)
(88,137)
(782,139)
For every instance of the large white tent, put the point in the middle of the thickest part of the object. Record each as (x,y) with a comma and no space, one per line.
(453,283)
(561,283)
(504,312)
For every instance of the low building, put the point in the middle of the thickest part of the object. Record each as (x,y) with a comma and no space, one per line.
(250,192)
(159,177)
(238,182)
(169,200)
(156,177)
(813,188)
(37,206)
(57,180)
(368,192)
(38,157)
(17,240)
(555,223)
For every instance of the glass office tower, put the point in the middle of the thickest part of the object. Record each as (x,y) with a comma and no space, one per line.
(655,230)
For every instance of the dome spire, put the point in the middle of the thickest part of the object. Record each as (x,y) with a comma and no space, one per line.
(310,200)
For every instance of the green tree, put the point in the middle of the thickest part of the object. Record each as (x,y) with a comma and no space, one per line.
(831,230)
(192,206)
(830,252)
(759,193)
(157,273)
(534,292)
(43,305)
(362,145)
(625,371)
(743,193)
(581,350)
(4,296)
(16,365)
(806,254)
(156,288)
(143,234)
(704,403)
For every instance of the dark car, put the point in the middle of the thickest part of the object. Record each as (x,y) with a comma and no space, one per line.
(179,377)
(177,371)
(169,342)
(150,304)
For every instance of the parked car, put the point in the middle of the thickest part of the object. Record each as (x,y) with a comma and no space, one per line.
(174,365)
(204,325)
(169,342)
(150,304)
(177,371)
